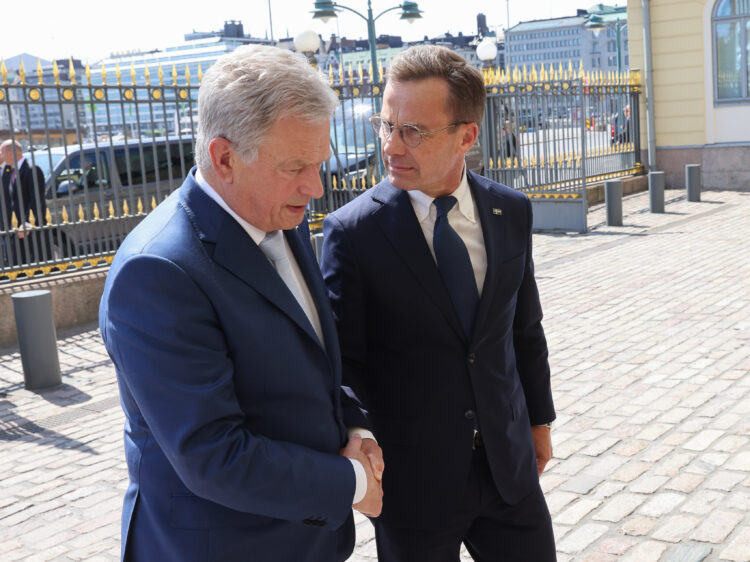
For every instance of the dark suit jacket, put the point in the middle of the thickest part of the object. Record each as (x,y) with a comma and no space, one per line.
(405,355)
(234,411)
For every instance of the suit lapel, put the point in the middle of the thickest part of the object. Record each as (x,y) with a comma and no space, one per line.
(235,251)
(493,232)
(299,243)
(399,224)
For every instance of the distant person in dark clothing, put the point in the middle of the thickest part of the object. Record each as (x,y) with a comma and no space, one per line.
(623,132)
(23,197)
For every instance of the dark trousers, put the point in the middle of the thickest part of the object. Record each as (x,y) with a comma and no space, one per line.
(492,530)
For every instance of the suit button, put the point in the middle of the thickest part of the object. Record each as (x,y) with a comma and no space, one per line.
(472,357)
(469,414)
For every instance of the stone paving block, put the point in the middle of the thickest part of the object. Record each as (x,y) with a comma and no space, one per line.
(599,446)
(581,537)
(740,462)
(608,489)
(618,507)
(732,444)
(631,471)
(638,526)
(702,440)
(685,482)
(576,512)
(661,504)
(717,527)
(647,484)
(673,463)
(689,553)
(549,482)
(616,545)
(557,500)
(724,480)
(702,502)
(738,548)
(676,438)
(675,528)
(648,551)
(572,466)
(739,500)
(582,484)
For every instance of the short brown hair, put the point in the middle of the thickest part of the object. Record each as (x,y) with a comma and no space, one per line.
(465,83)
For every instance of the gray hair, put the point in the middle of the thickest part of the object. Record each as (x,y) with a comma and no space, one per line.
(246,91)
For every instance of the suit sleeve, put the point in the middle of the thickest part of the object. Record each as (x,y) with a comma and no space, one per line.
(38,202)
(530,342)
(170,351)
(346,293)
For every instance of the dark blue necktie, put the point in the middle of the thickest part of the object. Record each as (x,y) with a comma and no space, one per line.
(454,265)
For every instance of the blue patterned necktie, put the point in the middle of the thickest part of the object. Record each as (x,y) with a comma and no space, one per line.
(455,265)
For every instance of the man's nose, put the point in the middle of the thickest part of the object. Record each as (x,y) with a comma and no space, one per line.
(312,185)
(394,144)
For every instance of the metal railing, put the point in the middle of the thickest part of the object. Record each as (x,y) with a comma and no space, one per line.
(112,147)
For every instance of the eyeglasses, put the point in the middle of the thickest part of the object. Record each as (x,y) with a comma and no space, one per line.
(410,135)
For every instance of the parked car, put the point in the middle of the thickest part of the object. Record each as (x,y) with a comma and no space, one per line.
(353,145)
(84,180)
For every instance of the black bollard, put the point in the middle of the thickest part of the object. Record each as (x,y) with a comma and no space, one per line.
(613,202)
(656,191)
(37,339)
(693,182)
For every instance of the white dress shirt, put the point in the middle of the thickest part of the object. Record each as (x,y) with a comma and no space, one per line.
(463,218)
(310,310)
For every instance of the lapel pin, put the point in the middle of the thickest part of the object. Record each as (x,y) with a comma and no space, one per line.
(497,212)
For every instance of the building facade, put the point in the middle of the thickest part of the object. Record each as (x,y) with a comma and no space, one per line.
(596,37)
(701,87)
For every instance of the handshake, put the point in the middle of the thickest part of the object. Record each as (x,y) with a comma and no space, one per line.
(370,456)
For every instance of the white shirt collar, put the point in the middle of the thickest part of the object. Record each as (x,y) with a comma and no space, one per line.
(255,233)
(422,202)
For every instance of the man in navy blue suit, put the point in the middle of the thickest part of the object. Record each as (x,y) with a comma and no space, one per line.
(431,279)
(216,318)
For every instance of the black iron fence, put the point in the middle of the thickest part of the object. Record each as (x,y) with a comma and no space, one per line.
(111,146)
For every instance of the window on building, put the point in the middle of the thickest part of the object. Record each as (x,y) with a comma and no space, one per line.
(731,36)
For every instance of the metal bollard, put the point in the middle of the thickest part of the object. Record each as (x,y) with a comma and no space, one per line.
(693,182)
(656,191)
(37,339)
(613,202)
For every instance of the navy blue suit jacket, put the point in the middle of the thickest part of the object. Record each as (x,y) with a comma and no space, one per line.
(234,411)
(425,384)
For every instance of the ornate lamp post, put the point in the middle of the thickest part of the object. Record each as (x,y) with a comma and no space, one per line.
(325,10)
(308,42)
(487,51)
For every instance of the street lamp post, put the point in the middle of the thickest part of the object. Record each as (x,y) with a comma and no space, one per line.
(325,10)
(596,23)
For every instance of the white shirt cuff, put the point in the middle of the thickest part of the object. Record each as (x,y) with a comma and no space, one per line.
(361,477)
(363,433)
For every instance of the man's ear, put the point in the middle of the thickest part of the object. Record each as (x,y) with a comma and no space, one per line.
(222,158)
(469,136)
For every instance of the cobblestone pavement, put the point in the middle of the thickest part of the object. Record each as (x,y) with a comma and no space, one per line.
(648,327)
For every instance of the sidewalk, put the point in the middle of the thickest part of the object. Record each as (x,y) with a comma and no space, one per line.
(649,334)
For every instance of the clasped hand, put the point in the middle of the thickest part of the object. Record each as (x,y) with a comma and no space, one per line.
(370,455)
